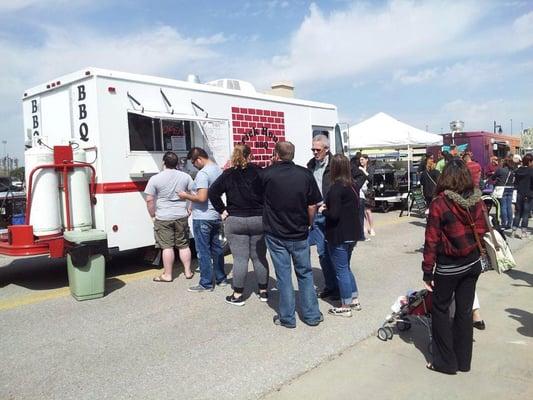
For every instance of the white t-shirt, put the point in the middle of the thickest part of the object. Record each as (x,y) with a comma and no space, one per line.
(165,186)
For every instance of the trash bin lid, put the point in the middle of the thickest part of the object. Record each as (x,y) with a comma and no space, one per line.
(84,236)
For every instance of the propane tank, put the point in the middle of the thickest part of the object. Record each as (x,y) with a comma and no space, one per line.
(80,202)
(45,208)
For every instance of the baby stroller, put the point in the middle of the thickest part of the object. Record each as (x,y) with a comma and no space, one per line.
(414,306)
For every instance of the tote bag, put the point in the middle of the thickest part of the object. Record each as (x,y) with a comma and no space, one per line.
(498,252)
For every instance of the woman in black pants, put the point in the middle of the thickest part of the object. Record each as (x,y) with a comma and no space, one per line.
(429,176)
(452,265)
(524,196)
(243,220)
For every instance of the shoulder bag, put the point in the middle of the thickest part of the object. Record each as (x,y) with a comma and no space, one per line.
(498,190)
(495,254)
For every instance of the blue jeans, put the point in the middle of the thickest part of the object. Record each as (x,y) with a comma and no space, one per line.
(209,250)
(522,210)
(506,208)
(317,237)
(281,252)
(340,256)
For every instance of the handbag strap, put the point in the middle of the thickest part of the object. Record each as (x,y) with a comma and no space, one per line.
(472,224)
(507,179)
(430,178)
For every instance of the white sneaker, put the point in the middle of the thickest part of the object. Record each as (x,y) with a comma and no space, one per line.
(340,312)
(372,232)
(356,305)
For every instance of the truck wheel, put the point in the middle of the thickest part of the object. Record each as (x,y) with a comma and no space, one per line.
(385,206)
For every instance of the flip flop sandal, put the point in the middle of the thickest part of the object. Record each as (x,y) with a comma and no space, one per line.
(190,276)
(160,279)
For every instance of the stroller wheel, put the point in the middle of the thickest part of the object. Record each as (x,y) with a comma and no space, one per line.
(382,334)
(403,325)
(389,332)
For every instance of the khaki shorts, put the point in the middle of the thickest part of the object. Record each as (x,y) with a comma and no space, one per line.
(169,234)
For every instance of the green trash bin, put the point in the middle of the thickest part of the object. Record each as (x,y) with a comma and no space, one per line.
(86,254)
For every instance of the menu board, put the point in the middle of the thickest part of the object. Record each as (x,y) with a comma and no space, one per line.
(216,134)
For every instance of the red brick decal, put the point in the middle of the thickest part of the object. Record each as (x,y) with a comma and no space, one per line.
(259,129)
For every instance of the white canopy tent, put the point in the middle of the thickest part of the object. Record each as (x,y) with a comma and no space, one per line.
(383,131)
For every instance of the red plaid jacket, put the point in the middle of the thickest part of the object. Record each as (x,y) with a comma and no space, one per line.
(449,236)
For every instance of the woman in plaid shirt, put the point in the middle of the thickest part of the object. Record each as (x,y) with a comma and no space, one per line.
(452,265)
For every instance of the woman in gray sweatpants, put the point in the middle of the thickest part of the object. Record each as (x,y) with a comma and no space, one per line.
(243,221)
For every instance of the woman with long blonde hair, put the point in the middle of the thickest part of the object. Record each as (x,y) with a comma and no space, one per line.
(243,220)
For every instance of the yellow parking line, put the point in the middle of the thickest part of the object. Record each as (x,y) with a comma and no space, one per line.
(40,297)
(33,298)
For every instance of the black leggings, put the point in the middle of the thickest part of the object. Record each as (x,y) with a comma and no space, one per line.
(452,340)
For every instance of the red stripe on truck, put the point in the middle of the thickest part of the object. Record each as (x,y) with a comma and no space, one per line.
(120,187)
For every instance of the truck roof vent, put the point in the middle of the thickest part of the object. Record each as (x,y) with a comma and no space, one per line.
(192,78)
(233,84)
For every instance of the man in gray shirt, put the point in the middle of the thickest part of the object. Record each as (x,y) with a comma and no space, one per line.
(319,165)
(206,222)
(170,216)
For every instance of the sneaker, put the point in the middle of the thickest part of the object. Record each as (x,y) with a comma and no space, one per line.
(372,232)
(223,283)
(340,312)
(236,301)
(356,306)
(199,288)
(278,322)
(263,296)
(367,239)
(517,234)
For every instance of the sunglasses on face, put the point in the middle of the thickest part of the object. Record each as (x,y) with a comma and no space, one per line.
(317,150)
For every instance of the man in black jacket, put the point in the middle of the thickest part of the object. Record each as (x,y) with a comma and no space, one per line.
(319,165)
(291,198)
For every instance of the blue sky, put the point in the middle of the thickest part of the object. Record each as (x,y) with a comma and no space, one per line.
(423,62)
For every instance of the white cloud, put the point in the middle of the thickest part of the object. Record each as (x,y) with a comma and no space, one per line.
(393,37)
(480,115)
(160,51)
(404,78)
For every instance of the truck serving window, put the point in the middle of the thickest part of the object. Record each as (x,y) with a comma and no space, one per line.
(145,133)
(176,135)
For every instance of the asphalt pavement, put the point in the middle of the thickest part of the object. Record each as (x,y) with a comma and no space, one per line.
(147,340)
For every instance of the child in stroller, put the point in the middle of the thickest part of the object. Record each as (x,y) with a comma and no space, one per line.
(415,305)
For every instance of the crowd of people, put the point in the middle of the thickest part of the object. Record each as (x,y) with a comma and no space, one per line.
(283,209)
(508,179)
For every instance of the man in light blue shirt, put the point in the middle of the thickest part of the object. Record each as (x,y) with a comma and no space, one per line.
(206,222)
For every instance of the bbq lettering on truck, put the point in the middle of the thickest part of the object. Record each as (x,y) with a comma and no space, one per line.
(83,128)
(35,117)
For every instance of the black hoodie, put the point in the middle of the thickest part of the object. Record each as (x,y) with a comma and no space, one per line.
(524,181)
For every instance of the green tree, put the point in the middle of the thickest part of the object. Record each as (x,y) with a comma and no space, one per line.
(18,173)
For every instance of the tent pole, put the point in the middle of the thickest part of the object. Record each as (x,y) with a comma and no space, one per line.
(408,177)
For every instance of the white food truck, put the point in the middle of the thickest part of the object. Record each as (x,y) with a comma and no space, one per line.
(115,128)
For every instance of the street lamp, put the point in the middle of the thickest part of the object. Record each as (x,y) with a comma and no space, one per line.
(4,142)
